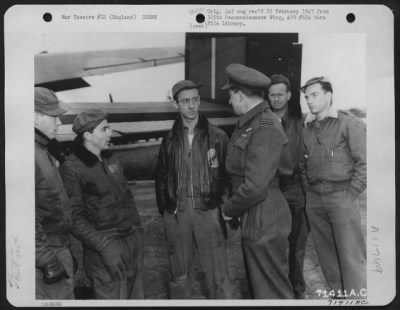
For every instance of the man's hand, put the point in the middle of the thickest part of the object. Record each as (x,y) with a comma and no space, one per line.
(53,272)
(113,259)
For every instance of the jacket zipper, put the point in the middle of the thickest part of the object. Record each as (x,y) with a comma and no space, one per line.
(191,174)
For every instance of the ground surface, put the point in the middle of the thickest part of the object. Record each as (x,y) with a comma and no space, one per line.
(156,273)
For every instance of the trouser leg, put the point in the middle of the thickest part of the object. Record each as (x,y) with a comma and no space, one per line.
(345,217)
(323,239)
(135,272)
(211,247)
(180,253)
(64,289)
(297,250)
(104,286)
(297,238)
(266,248)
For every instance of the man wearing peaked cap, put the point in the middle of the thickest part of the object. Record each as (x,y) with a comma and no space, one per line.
(104,213)
(191,183)
(246,77)
(54,262)
(336,174)
(290,177)
(252,162)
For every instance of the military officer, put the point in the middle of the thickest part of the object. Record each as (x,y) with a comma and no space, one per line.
(335,151)
(253,158)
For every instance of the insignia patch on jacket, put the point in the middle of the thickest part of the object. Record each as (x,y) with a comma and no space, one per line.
(244,135)
(212,158)
(113,168)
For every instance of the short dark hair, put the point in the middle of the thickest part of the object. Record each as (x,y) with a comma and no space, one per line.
(326,85)
(280,79)
(247,91)
(79,137)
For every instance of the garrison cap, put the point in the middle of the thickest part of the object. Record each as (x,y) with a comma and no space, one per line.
(315,80)
(47,102)
(279,79)
(241,75)
(88,120)
(183,85)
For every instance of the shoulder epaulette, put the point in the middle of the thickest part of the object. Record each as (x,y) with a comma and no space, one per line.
(267,117)
(267,121)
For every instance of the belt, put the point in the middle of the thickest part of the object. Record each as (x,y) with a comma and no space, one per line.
(325,187)
(285,180)
(123,232)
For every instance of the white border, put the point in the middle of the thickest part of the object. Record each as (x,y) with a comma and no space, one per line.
(23,24)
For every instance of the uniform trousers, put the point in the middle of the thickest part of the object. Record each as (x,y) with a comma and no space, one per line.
(265,231)
(197,231)
(63,289)
(131,286)
(298,236)
(338,238)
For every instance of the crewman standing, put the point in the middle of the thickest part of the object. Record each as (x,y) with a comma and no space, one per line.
(252,162)
(336,174)
(191,184)
(289,113)
(54,261)
(105,218)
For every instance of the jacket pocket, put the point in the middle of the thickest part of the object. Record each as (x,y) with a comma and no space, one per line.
(338,153)
(239,155)
(103,210)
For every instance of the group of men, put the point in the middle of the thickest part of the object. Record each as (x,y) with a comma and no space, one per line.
(278,176)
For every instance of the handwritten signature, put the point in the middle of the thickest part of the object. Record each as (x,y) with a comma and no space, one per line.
(14,263)
(376,252)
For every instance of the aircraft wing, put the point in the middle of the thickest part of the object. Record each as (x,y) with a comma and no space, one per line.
(142,120)
(63,71)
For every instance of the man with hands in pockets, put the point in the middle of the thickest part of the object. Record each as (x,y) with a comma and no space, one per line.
(105,218)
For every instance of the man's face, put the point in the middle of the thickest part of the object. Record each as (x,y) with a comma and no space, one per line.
(188,102)
(47,124)
(100,137)
(236,101)
(317,99)
(279,97)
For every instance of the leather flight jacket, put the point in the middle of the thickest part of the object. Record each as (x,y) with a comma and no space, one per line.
(210,144)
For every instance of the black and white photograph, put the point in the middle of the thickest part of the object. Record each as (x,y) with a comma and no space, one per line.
(216,156)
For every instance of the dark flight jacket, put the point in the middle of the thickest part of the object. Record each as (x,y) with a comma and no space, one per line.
(103,207)
(53,209)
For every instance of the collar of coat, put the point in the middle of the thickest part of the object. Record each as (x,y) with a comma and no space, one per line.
(332,113)
(41,138)
(87,157)
(252,112)
(202,124)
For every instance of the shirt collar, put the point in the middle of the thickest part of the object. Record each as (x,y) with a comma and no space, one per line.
(251,113)
(332,113)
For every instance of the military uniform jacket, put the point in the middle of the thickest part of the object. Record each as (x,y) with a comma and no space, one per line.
(53,210)
(103,208)
(253,158)
(335,150)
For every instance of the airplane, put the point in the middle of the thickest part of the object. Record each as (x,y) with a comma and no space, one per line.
(137,126)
